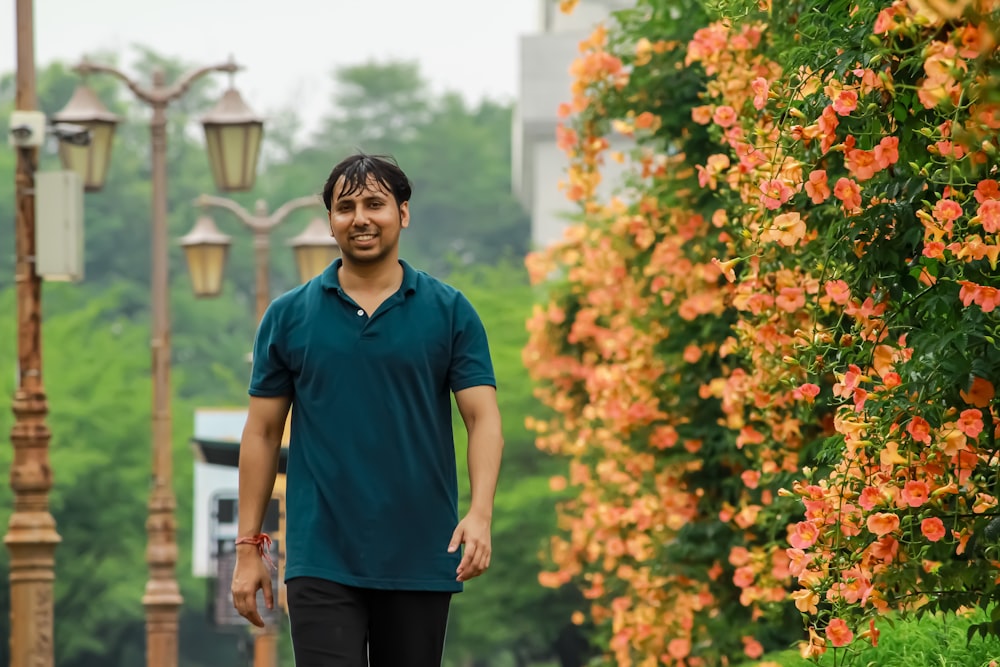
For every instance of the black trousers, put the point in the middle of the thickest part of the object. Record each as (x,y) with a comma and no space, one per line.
(341,626)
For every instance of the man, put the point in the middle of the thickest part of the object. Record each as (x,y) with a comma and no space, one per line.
(367,354)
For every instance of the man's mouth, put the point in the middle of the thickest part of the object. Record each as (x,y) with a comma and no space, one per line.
(363,237)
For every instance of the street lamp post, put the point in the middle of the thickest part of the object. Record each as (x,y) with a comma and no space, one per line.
(162,597)
(31,533)
(206,247)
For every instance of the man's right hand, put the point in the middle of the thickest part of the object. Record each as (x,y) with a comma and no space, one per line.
(249,576)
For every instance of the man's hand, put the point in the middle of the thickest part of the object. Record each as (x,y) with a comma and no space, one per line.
(474,532)
(249,576)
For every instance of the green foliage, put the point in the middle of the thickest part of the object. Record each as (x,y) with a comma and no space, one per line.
(936,640)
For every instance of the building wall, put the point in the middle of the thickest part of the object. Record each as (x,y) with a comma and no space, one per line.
(538,164)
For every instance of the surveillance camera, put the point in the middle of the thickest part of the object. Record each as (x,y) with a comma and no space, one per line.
(27,129)
(21,133)
(75,135)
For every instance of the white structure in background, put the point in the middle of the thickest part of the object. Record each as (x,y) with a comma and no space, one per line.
(538,164)
(216,487)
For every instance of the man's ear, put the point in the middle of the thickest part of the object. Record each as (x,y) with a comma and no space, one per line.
(404,214)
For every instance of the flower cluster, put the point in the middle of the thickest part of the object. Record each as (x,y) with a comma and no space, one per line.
(771,365)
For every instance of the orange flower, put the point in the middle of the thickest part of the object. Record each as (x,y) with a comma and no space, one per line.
(970,422)
(643,52)
(724,116)
(947,211)
(915,493)
(872,633)
(988,216)
(803,535)
(838,633)
(679,648)
(887,152)
(728,268)
(846,102)
(753,648)
(882,523)
(788,229)
(919,430)
(702,115)
(759,86)
(806,601)
(987,189)
(817,187)
(838,291)
(848,192)
(774,193)
(790,299)
(807,392)
(861,164)
(566,138)
(814,647)
(870,497)
(932,528)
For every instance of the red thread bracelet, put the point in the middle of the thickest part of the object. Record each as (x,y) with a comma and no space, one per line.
(263,543)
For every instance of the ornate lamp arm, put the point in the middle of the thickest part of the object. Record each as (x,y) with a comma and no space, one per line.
(244,215)
(86,67)
(181,86)
(158,94)
(288,207)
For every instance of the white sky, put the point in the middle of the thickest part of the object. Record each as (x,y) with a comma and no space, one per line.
(290,47)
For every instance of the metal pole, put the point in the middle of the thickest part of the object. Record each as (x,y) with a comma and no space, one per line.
(261,252)
(265,645)
(162,599)
(31,534)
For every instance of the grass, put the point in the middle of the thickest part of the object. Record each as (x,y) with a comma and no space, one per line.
(932,641)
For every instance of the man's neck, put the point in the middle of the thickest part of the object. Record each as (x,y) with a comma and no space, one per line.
(377,277)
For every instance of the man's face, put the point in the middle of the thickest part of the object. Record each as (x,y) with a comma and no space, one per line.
(367,223)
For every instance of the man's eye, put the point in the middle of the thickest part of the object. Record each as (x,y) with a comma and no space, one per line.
(376,204)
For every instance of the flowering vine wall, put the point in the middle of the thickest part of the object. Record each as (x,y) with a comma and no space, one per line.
(770,358)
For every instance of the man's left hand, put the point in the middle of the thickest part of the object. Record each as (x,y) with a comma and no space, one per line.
(474,532)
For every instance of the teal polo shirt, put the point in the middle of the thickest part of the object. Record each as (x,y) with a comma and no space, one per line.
(372,492)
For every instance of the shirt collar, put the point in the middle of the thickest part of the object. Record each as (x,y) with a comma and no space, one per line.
(330,279)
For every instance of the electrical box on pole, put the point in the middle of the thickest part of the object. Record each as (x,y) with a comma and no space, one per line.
(59,225)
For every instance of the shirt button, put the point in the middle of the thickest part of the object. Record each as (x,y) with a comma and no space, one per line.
(360,312)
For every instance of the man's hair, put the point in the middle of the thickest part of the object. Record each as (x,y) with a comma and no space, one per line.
(359,168)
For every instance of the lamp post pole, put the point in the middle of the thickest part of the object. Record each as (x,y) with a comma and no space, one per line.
(162,599)
(31,533)
(261,224)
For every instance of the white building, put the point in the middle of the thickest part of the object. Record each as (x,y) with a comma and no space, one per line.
(538,164)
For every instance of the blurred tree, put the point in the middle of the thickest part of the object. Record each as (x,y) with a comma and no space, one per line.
(376,107)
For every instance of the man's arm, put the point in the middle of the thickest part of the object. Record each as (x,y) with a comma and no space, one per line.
(260,448)
(481,414)
(479,410)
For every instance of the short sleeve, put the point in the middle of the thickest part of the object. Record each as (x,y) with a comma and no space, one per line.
(271,375)
(471,365)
